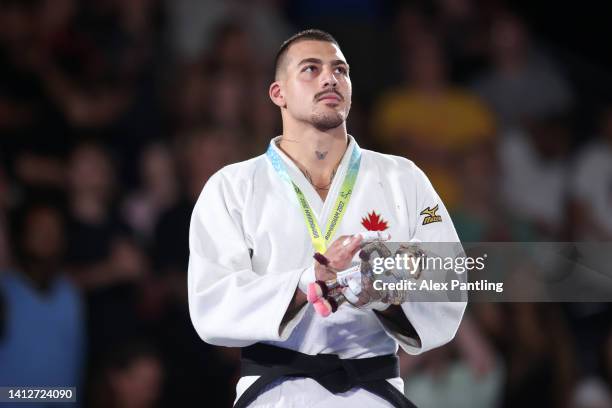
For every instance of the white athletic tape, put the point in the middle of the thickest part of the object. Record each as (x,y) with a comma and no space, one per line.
(344,276)
(369,236)
(350,296)
(355,285)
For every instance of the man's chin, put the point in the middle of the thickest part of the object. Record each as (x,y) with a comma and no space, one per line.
(327,121)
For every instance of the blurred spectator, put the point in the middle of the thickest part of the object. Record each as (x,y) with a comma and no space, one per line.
(43,342)
(104,74)
(591,325)
(481,216)
(188,97)
(535,173)
(410,26)
(100,253)
(81,63)
(158,191)
(540,366)
(103,258)
(522,84)
(429,121)
(441,378)
(140,61)
(491,321)
(227,107)
(233,50)
(190,25)
(536,345)
(270,26)
(26,107)
(131,376)
(197,28)
(591,186)
(462,27)
(216,90)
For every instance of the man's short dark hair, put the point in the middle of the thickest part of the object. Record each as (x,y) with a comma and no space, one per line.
(310,34)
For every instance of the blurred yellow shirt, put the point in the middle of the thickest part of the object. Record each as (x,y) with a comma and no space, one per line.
(448,123)
(452,120)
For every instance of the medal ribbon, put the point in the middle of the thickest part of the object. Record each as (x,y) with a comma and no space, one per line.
(320,241)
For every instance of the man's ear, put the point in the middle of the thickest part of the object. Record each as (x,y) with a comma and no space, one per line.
(276,94)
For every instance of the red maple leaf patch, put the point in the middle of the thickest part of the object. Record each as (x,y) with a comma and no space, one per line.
(373,222)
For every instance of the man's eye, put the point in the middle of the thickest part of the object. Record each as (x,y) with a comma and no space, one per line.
(310,68)
(341,70)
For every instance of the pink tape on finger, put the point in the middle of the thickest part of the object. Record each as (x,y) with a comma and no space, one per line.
(313,293)
(322,307)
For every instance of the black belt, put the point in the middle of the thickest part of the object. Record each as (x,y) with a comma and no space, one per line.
(335,374)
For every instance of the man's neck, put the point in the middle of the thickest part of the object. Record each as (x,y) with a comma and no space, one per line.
(316,153)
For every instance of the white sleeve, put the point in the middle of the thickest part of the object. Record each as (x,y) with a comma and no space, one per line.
(230,304)
(435,323)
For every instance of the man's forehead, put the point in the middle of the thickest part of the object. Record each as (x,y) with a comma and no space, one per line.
(325,51)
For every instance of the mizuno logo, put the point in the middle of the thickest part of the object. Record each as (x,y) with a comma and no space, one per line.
(430,215)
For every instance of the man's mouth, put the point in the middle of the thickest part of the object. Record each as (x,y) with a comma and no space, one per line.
(330,97)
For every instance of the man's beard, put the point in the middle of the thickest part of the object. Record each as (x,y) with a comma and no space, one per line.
(327,120)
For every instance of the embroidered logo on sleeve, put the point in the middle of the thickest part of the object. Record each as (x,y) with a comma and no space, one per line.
(373,222)
(430,215)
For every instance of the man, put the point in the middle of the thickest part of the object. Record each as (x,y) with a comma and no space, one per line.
(254,231)
(44,333)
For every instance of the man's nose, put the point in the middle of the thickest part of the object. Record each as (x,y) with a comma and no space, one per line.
(329,78)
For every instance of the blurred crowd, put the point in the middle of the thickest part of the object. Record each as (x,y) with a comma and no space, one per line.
(114,113)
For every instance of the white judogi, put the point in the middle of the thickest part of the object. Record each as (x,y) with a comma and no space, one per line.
(238,299)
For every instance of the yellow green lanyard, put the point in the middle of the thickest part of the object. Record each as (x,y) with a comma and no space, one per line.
(320,241)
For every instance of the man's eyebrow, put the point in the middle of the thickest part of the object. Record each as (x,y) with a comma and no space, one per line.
(310,60)
(318,61)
